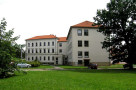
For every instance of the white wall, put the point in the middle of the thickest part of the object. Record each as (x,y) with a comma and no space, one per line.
(96,53)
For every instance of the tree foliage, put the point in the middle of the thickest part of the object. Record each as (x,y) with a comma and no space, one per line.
(7,50)
(117,23)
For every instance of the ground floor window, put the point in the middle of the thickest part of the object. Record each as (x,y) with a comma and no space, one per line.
(80,61)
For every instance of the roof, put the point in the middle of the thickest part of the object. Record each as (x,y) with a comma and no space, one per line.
(87,24)
(62,39)
(42,37)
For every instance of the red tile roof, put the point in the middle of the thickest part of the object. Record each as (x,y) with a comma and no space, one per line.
(62,39)
(87,24)
(42,37)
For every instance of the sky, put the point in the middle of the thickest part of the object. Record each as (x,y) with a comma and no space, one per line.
(31,18)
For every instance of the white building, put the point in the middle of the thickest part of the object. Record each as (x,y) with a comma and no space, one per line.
(83,45)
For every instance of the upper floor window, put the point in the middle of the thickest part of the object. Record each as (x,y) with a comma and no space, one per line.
(44,58)
(40,44)
(86,32)
(52,43)
(52,58)
(40,50)
(48,50)
(32,51)
(86,43)
(28,50)
(36,51)
(40,58)
(79,32)
(44,50)
(48,43)
(79,54)
(32,44)
(28,44)
(36,44)
(60,50)
(79,43)
(48,58)
(36,58)
(44,43)
(52,50)
(86,54)
(60,44)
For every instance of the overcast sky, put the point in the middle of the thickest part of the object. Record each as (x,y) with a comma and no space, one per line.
(31,18)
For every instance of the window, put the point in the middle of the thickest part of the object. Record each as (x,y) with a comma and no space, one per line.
(44,58)
(60,44)
(28,44)
(32,44)
(79,32)
(86,32)
(52,58)
(48,43)
(44,43)
(44,50)
(56,60)
(40,58)
(40,44)
(28,58)
(80,54)
(32,58)
(52,43)
(36,58)
(32,51)
(48,50)
(40,50)
(28,50)
(48,58)
(86,54)
(36,51)
(86,43)
(36,44)
(80,62)
(79,43)
(60,50)
(52,50)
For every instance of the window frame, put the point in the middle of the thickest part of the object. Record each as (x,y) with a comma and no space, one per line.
(80,52)
(85,54)
(86,44)
(79,32)
(79,42)
(86,33)
(81,62)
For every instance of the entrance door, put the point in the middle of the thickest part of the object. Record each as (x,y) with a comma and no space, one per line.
(86,62)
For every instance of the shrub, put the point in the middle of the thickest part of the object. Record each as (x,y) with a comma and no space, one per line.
(35,63)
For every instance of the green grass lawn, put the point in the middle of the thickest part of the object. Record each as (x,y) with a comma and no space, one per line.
(73,67)
(72,80)
(40,67)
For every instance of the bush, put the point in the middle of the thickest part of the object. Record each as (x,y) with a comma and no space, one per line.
(35,63)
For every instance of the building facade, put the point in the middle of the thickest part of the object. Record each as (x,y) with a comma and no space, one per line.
(81,47)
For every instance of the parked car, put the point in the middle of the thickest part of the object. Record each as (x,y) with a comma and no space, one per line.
(92,66)
(23,65)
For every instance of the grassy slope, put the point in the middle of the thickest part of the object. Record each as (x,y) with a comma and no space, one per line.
(72,80)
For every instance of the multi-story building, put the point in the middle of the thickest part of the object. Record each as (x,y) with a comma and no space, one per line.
(43,48)
(81,46)
(84,45)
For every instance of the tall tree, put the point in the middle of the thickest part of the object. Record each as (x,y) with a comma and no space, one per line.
(7,50)
(117,23)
